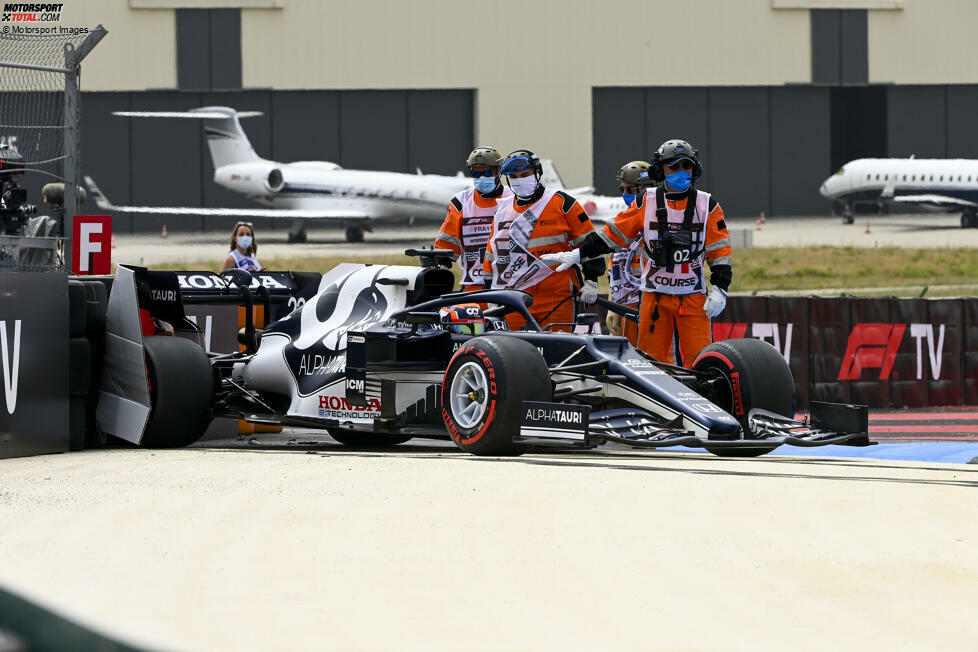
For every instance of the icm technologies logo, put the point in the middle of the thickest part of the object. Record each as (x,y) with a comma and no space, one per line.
(30,12)
(10,360)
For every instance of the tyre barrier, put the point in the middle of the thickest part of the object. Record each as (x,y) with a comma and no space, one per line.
(87,307)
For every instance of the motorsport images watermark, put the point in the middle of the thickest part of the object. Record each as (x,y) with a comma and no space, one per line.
(31,12)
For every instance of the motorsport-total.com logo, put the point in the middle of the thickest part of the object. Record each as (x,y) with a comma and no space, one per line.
(31,12)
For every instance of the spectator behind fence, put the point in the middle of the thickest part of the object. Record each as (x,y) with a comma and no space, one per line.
(243,249)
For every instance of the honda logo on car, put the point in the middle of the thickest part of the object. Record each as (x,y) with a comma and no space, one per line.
(212,281)
(337,407)
(10,358)
(874,346)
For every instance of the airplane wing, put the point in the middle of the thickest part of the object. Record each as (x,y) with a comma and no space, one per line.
(936,201)
(295,213)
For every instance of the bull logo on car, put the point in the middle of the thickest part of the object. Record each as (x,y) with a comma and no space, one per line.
(317,353)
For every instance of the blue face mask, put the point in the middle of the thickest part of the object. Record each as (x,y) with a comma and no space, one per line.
(628,199)
(679,181)
(485,185)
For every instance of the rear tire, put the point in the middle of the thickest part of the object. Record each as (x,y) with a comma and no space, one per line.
(367,439)
(483,388)
(747,373)
(181,392)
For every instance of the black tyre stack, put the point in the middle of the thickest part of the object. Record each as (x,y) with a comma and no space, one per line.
(87,305)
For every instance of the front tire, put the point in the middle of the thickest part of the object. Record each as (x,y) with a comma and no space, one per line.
(181,391)
(483,389)
(745,374)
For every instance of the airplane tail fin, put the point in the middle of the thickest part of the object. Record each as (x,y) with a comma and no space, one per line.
(551,178)
(225,137)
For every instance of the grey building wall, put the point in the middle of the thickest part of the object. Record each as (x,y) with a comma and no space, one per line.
(167,163)
(763,148)
(768,148)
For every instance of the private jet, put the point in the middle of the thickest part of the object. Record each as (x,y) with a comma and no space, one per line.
(945,185)
(302,190)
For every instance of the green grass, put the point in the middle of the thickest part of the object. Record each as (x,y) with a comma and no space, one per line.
(801,270)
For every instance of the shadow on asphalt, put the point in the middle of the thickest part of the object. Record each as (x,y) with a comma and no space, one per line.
(615,460)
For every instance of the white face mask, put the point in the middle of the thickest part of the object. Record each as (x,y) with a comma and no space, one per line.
(524,187)
(244,241)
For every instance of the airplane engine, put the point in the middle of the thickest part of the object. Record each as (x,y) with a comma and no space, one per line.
(275,181)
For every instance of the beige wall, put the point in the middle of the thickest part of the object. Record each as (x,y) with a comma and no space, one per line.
(928,42)
(139,52)
(533,63)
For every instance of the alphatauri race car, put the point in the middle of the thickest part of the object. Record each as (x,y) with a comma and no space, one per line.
(368,356)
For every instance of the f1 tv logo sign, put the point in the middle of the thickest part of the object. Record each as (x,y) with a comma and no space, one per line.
(767,331)
(10,362)
(91,244)
(874,346)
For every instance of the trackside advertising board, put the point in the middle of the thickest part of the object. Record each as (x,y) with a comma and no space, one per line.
(881,352)
(33,364)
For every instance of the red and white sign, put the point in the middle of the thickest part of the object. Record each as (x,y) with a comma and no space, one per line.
(91,244)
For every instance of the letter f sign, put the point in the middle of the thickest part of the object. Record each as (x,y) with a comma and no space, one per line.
(91,251)
(10,361)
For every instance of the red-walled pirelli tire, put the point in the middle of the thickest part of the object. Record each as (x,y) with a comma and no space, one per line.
(181,392)
(747,373)
(484,385)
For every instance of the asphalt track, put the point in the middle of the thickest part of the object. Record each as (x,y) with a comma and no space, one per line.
(292,541)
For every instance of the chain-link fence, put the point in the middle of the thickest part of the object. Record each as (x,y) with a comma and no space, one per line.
(40,105)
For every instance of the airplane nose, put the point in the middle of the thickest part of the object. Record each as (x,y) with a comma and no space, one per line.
(824,190)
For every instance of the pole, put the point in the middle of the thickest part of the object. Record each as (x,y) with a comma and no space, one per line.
(72,143)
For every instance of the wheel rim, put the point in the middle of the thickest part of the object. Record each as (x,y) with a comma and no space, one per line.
(469,394)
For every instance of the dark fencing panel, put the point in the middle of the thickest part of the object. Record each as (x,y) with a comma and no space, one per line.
(618,132)
(34,361)
(905,388)
(970,351)
(916,121)
(440,130)
(787,330)
(739,155)
(831,345)
(800,149)
(869,386)
(878,352)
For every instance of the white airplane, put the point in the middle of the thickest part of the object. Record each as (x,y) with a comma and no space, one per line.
(946,185)
(302,190)
(600,208)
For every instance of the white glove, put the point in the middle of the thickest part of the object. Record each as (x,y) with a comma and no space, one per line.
(567,259)
(715,302)
(589,292)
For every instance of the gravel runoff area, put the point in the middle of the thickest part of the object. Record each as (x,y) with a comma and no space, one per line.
(924,230)
(432,549)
